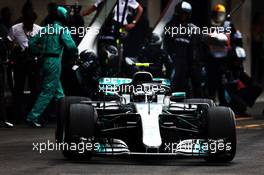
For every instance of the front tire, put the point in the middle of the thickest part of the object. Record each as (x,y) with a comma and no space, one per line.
(221,125)
(81,124)
(63,114)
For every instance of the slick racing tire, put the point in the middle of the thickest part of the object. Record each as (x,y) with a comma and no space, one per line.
(197,101)
(82,123)
(63,114)
(221,125)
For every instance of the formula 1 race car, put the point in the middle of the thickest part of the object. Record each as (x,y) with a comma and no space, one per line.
(140,116)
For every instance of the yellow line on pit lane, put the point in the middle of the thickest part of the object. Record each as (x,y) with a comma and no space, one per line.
(251,126)
(244,118)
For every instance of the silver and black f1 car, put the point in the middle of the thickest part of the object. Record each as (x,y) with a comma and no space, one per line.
(140,116)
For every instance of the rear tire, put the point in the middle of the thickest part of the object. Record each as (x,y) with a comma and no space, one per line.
(221,125)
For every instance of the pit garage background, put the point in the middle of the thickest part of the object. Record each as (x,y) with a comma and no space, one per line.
(242,19)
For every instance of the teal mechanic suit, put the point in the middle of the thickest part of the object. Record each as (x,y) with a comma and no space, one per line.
(50,43)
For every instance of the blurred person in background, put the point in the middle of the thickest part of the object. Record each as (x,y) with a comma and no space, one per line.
(218,46)
(118,16)
(120,27)
(5,25)
(227,78)
(25,64)
(3,59)
(141,30)
(183,49)
(50,43)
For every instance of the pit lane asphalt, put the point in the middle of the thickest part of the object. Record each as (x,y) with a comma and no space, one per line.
(17,157)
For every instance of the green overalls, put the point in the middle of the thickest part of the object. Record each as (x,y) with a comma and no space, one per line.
(49,43)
